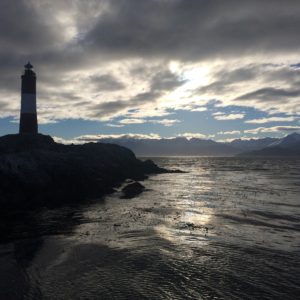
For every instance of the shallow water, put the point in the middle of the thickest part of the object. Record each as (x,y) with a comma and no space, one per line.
(227,229)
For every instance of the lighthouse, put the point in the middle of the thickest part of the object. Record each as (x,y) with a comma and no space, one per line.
(28,116)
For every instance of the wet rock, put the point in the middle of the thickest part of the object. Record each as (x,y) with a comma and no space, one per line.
(131,190)
(152,168)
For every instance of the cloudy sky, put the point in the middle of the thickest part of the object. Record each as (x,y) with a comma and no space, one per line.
(154,68)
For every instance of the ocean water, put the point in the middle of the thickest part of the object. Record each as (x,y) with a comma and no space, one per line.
(229,228)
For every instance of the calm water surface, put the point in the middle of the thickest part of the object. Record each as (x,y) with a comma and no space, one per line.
(227,229)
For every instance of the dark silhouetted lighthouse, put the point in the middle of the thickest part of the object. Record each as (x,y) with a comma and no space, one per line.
(28,117)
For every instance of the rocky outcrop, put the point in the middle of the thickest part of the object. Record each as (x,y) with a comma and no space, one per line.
(34,170)
(132,189)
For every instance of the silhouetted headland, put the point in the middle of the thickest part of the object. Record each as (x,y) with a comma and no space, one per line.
(35,170)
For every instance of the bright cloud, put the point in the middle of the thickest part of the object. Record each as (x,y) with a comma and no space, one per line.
(132,121)
(97,137)
(223,117)
(233,132)
(191,135)
(271,119)
(165,122)
(284,129)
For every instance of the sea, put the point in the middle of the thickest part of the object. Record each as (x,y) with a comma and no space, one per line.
(227,228)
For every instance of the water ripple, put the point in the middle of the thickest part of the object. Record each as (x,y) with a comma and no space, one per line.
(227,229)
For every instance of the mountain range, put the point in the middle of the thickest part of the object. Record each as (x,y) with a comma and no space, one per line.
(181,146)
(287,146)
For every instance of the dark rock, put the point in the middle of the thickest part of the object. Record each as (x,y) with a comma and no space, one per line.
(131,190)
(36,171)
(13,143)
(151,168)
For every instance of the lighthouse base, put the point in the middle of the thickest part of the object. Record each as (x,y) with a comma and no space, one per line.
(28,123)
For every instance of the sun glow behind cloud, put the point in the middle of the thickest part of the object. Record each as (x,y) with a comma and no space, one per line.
(174,70)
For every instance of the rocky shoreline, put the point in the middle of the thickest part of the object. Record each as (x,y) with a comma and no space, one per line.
(36,171)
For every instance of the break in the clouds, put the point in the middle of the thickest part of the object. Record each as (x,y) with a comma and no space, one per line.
(167,67)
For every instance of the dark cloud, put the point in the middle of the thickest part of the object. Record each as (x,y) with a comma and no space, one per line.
(106,83)
(109,108)
(196,28)
(288,75)
(3,105)
(270,94)
(28,31)
(161,82)
(237,75)
(224,78)
(295,66)
(187,30)
(273,86)
(25,35)
(23,30)
(166,81)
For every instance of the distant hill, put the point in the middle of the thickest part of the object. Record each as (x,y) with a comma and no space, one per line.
(182,146)
(291,140)
(179,146)
(287,146)
(252,144)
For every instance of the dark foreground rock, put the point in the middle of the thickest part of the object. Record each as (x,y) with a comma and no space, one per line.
(34,170)
(132,189)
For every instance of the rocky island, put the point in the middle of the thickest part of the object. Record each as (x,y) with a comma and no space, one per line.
(35,170)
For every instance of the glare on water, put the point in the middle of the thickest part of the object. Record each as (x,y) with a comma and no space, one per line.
(188,236)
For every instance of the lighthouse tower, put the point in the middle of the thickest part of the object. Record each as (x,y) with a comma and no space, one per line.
(28,117)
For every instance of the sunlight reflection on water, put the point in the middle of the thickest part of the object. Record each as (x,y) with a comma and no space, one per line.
(188,236)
